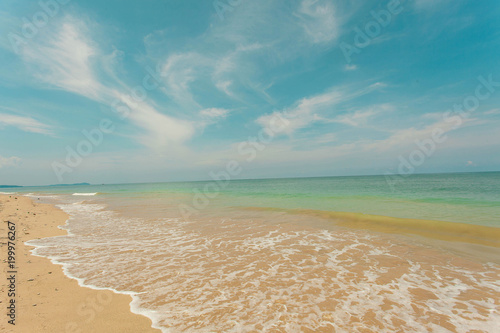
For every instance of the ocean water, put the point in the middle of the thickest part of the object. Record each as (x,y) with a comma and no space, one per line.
(333,254)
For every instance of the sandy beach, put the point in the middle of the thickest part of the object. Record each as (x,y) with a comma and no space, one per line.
(45,299)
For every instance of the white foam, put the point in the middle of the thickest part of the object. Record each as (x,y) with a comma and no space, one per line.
(86,194)
(188,276)
(38,195)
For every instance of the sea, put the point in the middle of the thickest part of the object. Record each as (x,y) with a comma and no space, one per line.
(324,254)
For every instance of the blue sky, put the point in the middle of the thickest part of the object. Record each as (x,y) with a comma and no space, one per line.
(187,86)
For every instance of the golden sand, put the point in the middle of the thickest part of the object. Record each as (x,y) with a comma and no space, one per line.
(47,300)
(219,275)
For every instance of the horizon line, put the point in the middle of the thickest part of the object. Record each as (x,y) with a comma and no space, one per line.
(242,179)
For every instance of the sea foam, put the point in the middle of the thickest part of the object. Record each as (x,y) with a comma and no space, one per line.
(239,276)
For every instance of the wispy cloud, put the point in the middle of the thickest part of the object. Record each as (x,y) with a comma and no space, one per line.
(266,58)
(319,21)
(214,113)
(305,112)
(9,161)
(69,59)
(179,71)
(318,109)
(26,124)
(212,116)
(360,117)
(407,136)
(63,59)
(230,64)
(161,130)
(184,71)
(257,36)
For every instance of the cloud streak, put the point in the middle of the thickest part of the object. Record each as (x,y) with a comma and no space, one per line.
(318,108)
(26,124)
(64,59)
(68,59)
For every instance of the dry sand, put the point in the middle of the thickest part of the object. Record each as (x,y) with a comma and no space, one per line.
(46,300)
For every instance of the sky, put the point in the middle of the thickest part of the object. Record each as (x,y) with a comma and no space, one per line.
(128,91)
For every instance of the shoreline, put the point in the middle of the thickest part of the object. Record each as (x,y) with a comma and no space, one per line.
(457,232)
(45,298)
(393,268)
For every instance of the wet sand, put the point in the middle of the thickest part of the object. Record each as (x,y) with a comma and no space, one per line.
(256,272)
(433,229)
(46,300)
(275,272)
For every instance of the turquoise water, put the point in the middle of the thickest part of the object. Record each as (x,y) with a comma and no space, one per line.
(234,268)
(472,198)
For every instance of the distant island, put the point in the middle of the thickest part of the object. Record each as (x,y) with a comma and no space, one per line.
(7,186)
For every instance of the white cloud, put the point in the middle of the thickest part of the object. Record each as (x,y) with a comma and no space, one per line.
(358,118)
(212,116)
(309,110)
(318,19)
(228,63)
(214,113)
(285,29)
(26,124)
(183,71)
(305,112)
(224,86)
(161,129)
(408,136)
(63,59)
(179,71)
(68,58)
(9,161)
(226,66)
(350,67)
(256,36)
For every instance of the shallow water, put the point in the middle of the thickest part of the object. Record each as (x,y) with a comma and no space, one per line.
(265,257)
(472,198)
(247,275)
